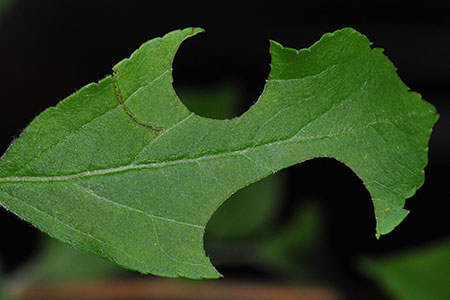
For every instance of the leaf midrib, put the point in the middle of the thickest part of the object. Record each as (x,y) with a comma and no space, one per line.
(243,151)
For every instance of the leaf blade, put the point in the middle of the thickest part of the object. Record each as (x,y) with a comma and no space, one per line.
(141,195)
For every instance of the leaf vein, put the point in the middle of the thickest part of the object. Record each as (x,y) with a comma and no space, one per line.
(127,207)
(170,256)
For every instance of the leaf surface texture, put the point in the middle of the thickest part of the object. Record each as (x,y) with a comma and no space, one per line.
(124,170)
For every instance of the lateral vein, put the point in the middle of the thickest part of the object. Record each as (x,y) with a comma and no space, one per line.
(134,209)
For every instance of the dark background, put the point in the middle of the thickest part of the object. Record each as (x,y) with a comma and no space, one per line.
(49,49)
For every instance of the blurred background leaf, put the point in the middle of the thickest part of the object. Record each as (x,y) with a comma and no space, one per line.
(57,262)
(5,5)
(414,274)
(61,262)
(294,249)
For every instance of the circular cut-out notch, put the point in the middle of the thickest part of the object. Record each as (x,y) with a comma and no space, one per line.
(218,101)
(219,74)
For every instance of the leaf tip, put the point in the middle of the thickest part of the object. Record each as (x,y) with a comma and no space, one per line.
(196,30)
(388,219)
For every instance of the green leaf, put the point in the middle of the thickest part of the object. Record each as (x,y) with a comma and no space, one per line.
(417,274)
(123,169)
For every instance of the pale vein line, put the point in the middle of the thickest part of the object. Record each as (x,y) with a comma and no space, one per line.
(119,169)
(147,85)
(74,229)
(134,209)
(220,182)
(258,164)
(278,113)
(170,256)
(296,80)
(202,137)
(293,139)
(324,113)
(162,134)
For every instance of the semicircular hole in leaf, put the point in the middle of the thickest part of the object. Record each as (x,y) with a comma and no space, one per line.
(208,65)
